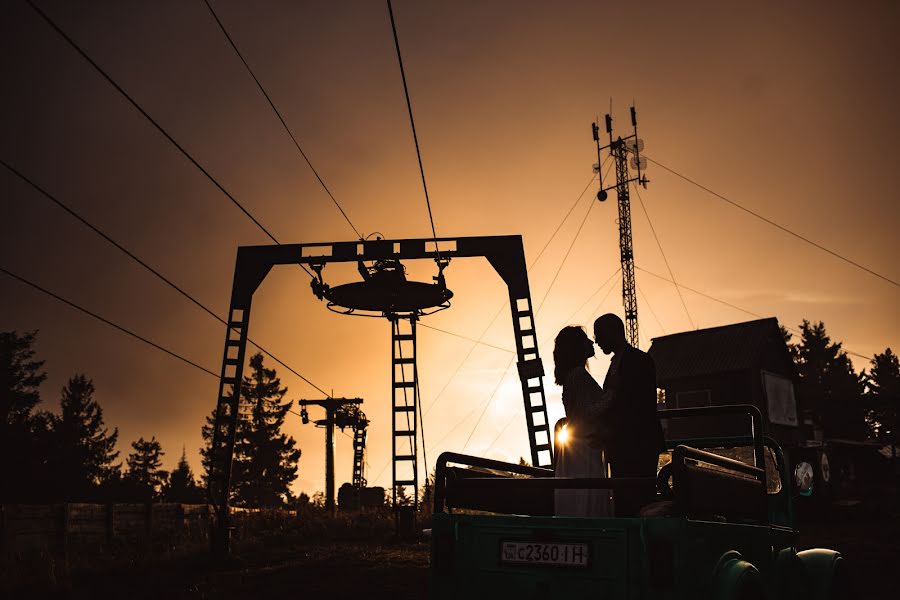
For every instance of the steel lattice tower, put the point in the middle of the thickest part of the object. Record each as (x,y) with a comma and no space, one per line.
(626,248)
(618,150)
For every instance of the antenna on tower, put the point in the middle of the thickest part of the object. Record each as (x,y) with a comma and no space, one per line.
(619,149)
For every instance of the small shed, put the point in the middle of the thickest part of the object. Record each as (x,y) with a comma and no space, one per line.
(743,363)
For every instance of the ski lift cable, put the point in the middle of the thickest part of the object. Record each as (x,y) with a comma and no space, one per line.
(155,123)
(772,223)
(280,118)
(666,260)
(96,316)
(146,266)
(412,123)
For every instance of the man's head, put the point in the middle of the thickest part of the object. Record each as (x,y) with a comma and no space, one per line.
(609,333)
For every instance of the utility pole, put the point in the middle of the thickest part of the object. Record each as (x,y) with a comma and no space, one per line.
(619,149)
(338,412)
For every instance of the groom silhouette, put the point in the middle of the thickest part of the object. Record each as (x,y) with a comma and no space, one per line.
(635,436)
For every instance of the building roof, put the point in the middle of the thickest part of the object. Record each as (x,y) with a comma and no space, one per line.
(729,348)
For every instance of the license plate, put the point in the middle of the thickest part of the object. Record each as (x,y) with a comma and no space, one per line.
(541,553)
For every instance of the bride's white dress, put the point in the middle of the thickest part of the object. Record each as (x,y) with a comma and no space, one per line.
(584,401)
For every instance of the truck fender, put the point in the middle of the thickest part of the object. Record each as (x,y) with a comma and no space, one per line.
(827,574)
(736,579)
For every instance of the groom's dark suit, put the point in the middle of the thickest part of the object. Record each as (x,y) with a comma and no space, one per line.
(635,434)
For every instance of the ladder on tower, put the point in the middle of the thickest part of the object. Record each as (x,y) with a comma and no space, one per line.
(359,453)
(404,403)
(226,416)
(531,372)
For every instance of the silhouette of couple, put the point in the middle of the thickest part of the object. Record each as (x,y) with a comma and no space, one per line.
(612,430)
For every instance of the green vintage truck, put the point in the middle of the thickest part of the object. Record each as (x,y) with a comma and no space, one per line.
(717,525)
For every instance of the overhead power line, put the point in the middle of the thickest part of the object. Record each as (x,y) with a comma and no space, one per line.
(107,321)
(488,403)
(714,299)
(463,337)
(153,121)
(281,119)
(605,296)
(589,298)
(773,223)
(550,287)
(503,305)
(652,312)
(666,260)
(561,223)
(500,434)
(146,266)
(412,122)
(596,309)
(565,258)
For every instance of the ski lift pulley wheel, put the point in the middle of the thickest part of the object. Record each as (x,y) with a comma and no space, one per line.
(386,289)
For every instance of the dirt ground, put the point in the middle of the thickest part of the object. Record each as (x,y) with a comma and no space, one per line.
(400,570)
(334,571)
(871,547)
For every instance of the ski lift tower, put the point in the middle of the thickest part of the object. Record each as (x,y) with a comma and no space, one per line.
(619,149)
(384,292)
(339,412)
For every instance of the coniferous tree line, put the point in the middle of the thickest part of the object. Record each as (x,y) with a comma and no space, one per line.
(845,404)
(71,456)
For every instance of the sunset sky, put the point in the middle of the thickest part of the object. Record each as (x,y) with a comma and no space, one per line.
(789,109)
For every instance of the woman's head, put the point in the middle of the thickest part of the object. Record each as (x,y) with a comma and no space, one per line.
(572,349)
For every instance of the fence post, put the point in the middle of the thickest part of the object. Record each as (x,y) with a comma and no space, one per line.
(3,527)
(110,522)
(62,528)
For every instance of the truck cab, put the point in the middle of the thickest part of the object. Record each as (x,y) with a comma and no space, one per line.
(717,524)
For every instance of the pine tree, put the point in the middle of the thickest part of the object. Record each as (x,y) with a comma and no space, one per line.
(24,442)
(86,450)
(883,390)
(144,467)
(829,387)
(403,498)
(265,462)
(181,486)
(20,377)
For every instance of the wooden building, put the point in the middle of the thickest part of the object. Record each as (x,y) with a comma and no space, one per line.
(743,363)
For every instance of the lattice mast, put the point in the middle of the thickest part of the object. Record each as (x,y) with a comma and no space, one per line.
(619,149)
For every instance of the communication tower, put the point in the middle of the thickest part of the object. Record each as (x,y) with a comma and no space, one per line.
(619,149)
